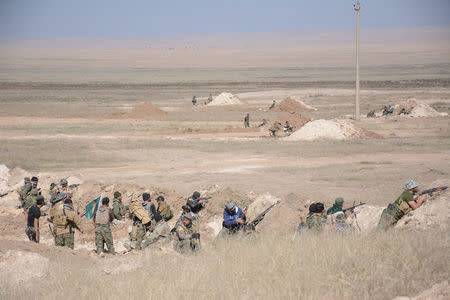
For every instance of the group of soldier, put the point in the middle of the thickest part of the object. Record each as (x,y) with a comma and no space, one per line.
(149,221)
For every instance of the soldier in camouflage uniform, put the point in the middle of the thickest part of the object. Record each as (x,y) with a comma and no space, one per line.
(118,207)
(64,218)
(187,238)
(52,194)
(30,198)
(64,188)
(337,206)
(23,191)
(102,220)
(159,229)
(406,202)
(316,220)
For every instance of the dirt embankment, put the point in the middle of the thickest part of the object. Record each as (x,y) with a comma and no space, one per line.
(145,110)
(292,105)
(331,130)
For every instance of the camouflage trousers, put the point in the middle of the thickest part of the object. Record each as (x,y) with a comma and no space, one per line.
(187,246)
(103,236)
(161,231)
(31,233)
(65,239)
(389,217)
(140,235)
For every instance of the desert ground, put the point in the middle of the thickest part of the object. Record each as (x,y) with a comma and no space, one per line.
(104,136)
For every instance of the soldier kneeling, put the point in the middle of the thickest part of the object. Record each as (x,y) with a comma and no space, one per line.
(187,239)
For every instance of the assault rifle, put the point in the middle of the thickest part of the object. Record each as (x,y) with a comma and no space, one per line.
(352,208)
(430,192)
(206,199)
(52,231)
(252,225)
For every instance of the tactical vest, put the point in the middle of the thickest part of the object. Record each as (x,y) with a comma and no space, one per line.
(59,216)
(165,212)
(102,217)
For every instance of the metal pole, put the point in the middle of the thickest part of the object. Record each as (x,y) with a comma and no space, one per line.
(357,112)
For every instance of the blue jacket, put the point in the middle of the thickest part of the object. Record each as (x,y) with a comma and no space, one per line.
(229,220)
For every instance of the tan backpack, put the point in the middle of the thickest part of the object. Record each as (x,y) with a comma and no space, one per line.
(139,211)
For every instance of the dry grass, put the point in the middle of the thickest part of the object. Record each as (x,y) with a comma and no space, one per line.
(377,266)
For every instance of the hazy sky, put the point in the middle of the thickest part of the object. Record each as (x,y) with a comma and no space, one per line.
(146,18)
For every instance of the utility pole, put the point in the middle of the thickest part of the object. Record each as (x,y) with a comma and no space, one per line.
(357,7)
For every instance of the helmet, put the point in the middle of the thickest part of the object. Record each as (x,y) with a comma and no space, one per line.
(27,179)
(34,178)
(160,198)
(230,206)
(195,195)
(410,184)
(339,201)
(117,194)
(63,182)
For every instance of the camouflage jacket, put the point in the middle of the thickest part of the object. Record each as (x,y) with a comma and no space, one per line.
(316,222)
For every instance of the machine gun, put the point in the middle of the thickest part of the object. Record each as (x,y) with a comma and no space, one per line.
(352,208)
(430,192)
(252,225)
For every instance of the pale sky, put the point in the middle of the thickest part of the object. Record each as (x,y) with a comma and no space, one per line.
(37,19)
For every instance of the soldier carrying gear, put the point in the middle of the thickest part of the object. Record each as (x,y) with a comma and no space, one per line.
(408,200)
(159,228)
(187,237)
(102,220)
(141,214)
(186,210)
(64,218)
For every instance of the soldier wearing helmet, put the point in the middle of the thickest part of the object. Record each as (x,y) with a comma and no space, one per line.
(64,188)
(409,200)
(187,237)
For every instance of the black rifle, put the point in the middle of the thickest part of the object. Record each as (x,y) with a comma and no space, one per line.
(206,199)
(252,225)
(352,208)
(433,190)
(51,230)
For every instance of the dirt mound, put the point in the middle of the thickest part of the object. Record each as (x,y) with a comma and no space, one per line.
(291,104)
(285,216)
(368,217)
(330,129)
(147,109)
(416,109)
(406,106)
(296,120)
(424,110)
(226,99)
